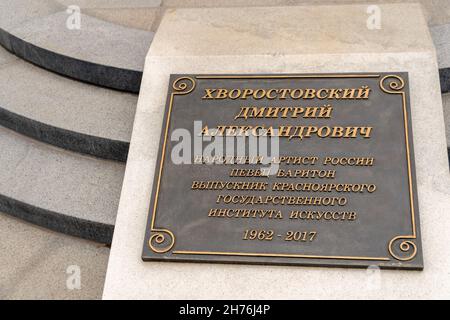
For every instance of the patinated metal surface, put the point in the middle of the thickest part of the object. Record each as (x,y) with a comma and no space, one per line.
(344,193)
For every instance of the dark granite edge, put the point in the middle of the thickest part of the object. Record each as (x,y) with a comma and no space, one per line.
(100,75)
(104,148)
(444,77)
(58,222)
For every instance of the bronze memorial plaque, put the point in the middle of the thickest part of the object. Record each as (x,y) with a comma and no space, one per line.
(286,169)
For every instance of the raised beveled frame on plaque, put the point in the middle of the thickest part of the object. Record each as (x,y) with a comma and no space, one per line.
(376,228)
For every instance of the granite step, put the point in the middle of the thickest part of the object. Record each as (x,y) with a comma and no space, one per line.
(112,55)
(64,112)
(41,270)
(57,189)
(100,52)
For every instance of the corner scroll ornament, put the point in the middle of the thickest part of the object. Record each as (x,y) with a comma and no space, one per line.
(392,84)
(403,248)
(161,241)
(183,85)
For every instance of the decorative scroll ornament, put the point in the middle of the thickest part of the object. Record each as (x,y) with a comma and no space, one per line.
(392,84)
(161,241)
(183,85)
(403,248)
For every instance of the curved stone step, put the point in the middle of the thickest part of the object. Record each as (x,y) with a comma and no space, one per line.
(111,55)
(64,112)
(35,262)
(57,189)
(100,53)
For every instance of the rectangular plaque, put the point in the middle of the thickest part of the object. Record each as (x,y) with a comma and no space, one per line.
(286,169)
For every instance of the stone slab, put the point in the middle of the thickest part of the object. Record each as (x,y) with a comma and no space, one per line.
(112,3)
(6,58)
(75,186)
(135,13)
(436,11)
(96,41)
(139,18)
(16,12)
(98,52)
(64,103)
(440,36)
(246,41)
(39,271)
